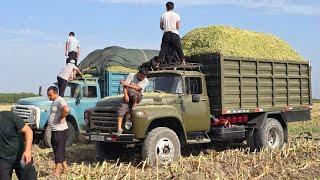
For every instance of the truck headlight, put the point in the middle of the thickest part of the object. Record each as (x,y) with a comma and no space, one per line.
(33,115)
(128,124)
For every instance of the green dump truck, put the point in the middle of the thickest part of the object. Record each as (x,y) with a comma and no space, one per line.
(212,99)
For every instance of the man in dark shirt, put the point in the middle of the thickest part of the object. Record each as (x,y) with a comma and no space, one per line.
(14,154)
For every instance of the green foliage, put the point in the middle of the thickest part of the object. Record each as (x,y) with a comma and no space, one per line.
(316,100)
(9,98)
(237,43)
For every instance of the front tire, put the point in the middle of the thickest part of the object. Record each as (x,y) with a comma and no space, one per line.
(162,143)
(71,135)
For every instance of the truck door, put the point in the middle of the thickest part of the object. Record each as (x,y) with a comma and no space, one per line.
(195,107)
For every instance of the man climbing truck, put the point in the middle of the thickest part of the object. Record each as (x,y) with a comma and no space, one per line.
(218,99)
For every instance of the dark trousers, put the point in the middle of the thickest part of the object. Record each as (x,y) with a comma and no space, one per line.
(27,172)
(62,84)
(72,56)
(170,41)
(58,143)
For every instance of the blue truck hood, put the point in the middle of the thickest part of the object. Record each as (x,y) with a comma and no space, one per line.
(40,101)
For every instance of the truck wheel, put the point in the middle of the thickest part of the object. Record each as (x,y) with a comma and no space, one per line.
(71,135)
(107,151)
(162,143)
(270,136)
(47,137)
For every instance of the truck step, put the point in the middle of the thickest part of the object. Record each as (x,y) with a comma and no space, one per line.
(198,137)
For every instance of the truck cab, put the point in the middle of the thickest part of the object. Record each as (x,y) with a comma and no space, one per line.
(80,95)
(175,106)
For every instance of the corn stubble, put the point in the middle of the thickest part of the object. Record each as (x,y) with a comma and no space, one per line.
(298,159)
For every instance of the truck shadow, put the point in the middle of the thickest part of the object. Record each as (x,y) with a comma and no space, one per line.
(197,149)
(86,153)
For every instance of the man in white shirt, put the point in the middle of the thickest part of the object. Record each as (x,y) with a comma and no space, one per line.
(67,73)
(57,121)
(170,24)
(72,49)
(133,88)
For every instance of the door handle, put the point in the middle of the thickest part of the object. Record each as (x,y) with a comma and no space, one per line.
(203,99)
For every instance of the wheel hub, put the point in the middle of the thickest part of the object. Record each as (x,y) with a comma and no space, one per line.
(165,150)
(273,137)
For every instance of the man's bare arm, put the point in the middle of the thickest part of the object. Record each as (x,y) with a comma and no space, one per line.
(66,49)
(78,54)
(125,94)
(161,26)
(178,24)
(28,137)
(135,87)
(78,71)
(65,112)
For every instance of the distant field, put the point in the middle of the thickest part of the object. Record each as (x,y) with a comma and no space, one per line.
(5,107)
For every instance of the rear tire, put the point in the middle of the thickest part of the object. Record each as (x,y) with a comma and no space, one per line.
(162,143)
(270,136)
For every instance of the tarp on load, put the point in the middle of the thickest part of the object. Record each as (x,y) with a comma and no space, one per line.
(101,59)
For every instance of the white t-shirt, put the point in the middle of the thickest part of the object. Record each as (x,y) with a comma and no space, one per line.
(73,44)
(67,71)
(169,20)
(132,78)
(55,113)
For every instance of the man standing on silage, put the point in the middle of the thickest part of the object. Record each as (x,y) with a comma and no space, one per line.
(170,24)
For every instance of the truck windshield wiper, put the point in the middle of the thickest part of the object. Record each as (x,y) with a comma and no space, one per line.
(158,91)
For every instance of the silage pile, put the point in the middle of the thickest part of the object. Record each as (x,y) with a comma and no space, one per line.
(237,42)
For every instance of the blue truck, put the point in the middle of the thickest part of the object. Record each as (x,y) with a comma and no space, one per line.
(81,94)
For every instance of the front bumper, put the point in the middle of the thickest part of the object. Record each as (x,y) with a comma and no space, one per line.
(110,137)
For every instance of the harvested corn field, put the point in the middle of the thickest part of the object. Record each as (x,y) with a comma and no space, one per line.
(5,107)
(236,42)
(299,159)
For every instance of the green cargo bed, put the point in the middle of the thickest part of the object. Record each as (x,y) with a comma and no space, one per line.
(243,85)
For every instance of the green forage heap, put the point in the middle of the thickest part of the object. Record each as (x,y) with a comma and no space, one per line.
(236,42)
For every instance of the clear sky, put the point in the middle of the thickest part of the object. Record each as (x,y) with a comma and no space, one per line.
(33,32)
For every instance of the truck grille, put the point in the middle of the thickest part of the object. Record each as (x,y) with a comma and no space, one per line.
(104,120)
(24,113)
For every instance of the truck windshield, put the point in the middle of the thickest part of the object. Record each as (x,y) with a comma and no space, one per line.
(165,83)
(72,90)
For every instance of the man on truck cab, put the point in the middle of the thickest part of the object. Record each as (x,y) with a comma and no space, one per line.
(67,73)
(133,88)
(170,24)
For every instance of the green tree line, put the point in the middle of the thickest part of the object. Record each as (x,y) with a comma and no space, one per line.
(9,98)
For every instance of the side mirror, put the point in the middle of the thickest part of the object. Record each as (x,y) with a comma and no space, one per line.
(195,98)
(78,96)
(40,90)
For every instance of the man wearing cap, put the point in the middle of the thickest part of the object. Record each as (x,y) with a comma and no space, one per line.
(67,73)
(170,24)
(133,88)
